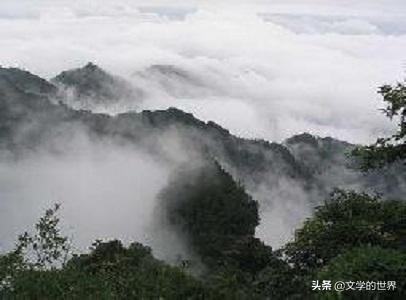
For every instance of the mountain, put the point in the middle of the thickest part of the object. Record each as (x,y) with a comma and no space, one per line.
(172,81)
(204,203)
(90,87)
(318,154)
(303,166)
(216,197)
(25,81)
(331,165)
(26,110)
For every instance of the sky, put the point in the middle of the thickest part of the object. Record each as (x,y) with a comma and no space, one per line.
(266,69)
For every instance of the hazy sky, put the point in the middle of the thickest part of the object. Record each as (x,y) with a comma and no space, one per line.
(267,69)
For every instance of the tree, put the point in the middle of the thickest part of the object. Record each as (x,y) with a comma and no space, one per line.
(110,271)
(218,219)
(213,213)
(47,248)
(345,221)
(367,264)
(392,149)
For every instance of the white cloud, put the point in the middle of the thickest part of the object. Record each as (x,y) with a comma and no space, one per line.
(322,81)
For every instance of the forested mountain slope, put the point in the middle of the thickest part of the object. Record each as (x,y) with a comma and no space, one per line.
(33,113)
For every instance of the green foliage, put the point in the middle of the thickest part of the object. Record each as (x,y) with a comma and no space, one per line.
(392,149)
(374,264)
(218,218)
(47,245)
(352,237)
(347,220)
(38,269)
(214,213)
(279,281)
(11,265)
(109,271)
(44,249)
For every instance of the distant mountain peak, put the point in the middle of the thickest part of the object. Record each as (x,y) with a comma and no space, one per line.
(93,86)
(305,137)
(71,77)
(27,82)
(314,140)
(176,81)
(91,66)
(168,70)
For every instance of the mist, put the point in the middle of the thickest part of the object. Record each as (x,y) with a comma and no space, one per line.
(106,192)
(261,70)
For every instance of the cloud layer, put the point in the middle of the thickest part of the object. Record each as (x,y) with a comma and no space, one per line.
(268,71)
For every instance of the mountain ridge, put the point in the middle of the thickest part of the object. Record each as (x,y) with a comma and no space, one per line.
(314,164)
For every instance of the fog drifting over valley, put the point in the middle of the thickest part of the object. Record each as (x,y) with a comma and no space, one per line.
(98,186)
(260,69)
(107,191)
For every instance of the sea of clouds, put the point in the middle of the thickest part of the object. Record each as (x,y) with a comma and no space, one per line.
(266,69)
